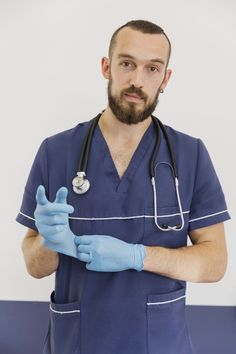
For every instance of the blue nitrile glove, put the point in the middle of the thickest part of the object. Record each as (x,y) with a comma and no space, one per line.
(51,220)
(109,254)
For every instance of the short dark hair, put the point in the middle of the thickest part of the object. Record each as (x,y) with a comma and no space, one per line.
(141,26)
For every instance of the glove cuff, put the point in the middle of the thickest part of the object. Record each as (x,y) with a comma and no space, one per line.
(68,248)
(139,254)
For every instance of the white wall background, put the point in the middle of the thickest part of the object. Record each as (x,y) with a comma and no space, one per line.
(50,79)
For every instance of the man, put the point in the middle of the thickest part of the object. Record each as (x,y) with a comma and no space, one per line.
(120,278)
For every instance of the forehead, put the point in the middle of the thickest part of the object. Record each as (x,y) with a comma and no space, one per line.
(141,45)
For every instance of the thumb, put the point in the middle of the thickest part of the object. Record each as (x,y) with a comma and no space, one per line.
(41,196)
(61,195)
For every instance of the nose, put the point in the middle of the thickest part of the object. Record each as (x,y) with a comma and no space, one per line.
(137,79)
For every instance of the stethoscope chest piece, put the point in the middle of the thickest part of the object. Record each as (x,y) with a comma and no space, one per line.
(80,184)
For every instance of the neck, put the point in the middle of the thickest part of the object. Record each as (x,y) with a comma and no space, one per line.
(112,127)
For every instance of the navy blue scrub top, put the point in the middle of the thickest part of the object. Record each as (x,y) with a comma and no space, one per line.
(126,312)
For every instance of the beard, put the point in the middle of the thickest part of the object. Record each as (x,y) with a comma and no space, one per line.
(128,113)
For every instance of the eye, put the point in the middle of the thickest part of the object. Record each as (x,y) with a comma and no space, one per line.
(153,69)
(126,65)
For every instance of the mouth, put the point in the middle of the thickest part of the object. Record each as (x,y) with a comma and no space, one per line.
(132,97)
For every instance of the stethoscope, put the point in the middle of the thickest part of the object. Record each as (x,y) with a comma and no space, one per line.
(81,184)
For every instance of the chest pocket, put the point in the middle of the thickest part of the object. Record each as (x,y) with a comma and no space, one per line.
(165,216)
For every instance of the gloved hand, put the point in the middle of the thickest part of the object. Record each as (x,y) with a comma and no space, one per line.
(51,220)
(109,254)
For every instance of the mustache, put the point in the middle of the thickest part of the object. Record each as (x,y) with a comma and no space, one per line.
(137,91)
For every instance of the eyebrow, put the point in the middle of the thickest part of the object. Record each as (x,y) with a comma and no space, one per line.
(156,60)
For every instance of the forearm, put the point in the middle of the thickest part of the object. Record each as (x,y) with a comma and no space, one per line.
(39,260)
(196,263)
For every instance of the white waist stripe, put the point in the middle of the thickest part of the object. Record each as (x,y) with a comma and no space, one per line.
(166,302)
(115,217)
(209,215)
(166,215)
(63,312)
(135,216)
(127,217)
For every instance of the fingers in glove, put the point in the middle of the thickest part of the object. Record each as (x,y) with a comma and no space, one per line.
(49,231)
(50,220)
(41,196)
(53,208)
(84,257)
(84,248)
(84,240)
(61,195)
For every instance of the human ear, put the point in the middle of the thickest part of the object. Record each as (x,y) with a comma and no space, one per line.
(165,80)
(105,63)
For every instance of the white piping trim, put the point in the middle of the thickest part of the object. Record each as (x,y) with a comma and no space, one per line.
(166,215)
(26,216)
(63,312)
(136,216)
(166,302)
(208,216)
(108,218)
(115,217)
(127,217)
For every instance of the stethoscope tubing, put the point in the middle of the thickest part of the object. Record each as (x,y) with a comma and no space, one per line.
(83,161)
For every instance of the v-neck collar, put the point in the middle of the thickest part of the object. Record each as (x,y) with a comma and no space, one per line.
(121,184)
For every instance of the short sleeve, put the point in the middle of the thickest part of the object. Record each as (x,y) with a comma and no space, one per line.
(208,206)
(38,175)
